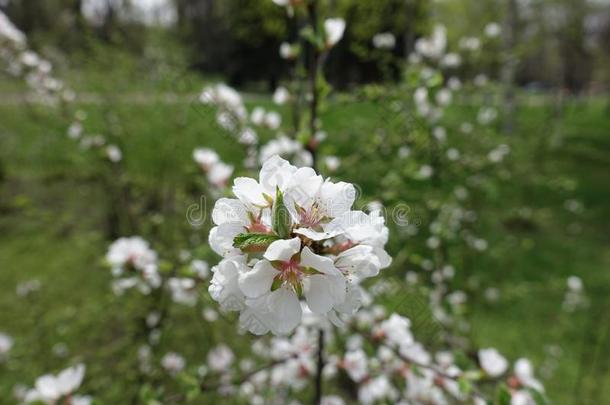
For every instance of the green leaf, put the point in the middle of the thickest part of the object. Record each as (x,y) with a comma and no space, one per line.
(253,241)
(277,283)
(464,385)
(281,216)
(503,395)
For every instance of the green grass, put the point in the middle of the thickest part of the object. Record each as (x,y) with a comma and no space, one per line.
(54,208)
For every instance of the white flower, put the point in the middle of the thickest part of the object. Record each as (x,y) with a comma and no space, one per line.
(219,174)
(524,371)
(451,60)
(492,362)
(454,83)
(283,3)
(404,152)
(415,352)
(6,343)
(396,330)
(356,365)
(134,263)
(487,115)
(433,46)
(522,398)
(421,95)
(248,137)
(364,229)
(470,43)
(453,154)
(281,95)
(114,153)
(50,388)
(224,287)
(205,158)
(378,389)
(258,116)
(228,100)
(9,31)
(273,120)
(443,97)
(493,29)
(220,358)
(575,283)
(425,172)
(131,251)
(287,148)
(440,134)
(200,268)
(75,130)
(332,400)
(384,40)
(332,163)
(334,29)
(183,290)
(287,51)
(173,363)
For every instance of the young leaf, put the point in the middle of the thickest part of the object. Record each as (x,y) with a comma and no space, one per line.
(502,395)
(281,216)
(253,242)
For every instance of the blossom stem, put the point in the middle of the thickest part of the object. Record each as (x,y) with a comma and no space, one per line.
(475,393)
(319,369)
(314,61)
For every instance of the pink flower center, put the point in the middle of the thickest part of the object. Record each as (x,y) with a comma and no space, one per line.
(291,271)
(310,218)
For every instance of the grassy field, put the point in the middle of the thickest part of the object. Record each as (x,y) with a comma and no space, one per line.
(53,228)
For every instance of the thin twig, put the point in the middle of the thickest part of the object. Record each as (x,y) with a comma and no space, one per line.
(314,61)
(320,368)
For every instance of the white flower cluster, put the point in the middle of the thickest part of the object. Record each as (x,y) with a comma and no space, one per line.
(292,235)
(231,110)
(233,116)
(9,32)
(51,389)
(378,354)
(384,40)
(217,171)
(134,264)
(433,47)
(21,61)
(76,131)
(288,148)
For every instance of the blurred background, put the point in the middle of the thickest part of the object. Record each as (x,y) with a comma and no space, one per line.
(561,44)
(513,189)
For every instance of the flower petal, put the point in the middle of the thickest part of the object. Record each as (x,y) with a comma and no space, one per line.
(249,191)
(221,238)
(320,263)
(320,292)
(359,261)
(258,280)
(337,198)
(286,310)
(230,210)
(314,235)
(276,172)
(283,249)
